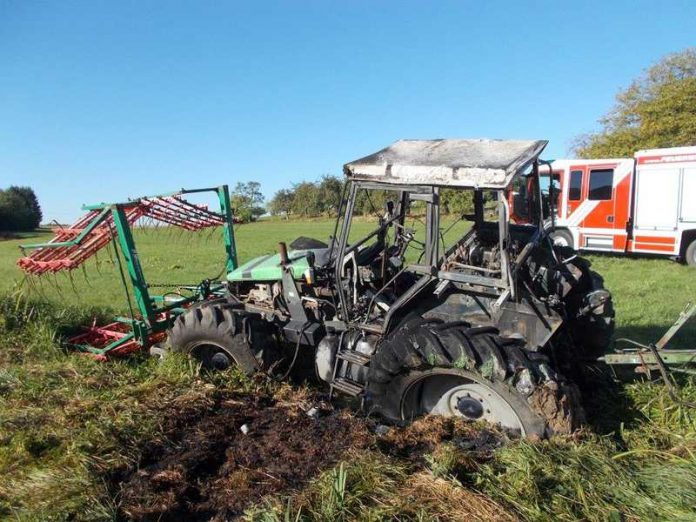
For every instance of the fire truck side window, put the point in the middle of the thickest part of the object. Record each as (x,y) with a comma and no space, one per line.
(575,185)
(600,184)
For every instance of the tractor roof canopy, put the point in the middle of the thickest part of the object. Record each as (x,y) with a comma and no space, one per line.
(471,163)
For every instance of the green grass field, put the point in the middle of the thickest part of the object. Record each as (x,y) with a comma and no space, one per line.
(648,293)
(73,430)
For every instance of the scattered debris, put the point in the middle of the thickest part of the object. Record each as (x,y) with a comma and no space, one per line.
(381,429)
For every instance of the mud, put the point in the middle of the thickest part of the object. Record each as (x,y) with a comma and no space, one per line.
(214,471)
(417,439)
(560,406)
(205,467)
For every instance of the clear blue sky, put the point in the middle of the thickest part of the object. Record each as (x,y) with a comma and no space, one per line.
(103,100)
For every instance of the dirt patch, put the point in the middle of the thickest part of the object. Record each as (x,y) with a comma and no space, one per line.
(215,471)
(423,435)
(206,466)
(560,406)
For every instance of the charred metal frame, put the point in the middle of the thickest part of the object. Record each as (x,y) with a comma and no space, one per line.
(501,288)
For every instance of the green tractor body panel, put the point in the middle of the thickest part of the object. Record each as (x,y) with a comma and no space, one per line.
(268,268)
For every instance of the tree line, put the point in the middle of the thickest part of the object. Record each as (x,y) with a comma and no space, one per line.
(323,198)
(19,209)
(658,109)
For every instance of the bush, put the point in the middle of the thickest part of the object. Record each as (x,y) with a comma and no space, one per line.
(19,209)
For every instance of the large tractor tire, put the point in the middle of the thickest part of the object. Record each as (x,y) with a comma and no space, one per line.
(451,369)
(219,338)
(589,307)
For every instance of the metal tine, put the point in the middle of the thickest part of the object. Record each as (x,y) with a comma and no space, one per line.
(35,283)
(56,286)
(72,282)
(84,273)
(98,262)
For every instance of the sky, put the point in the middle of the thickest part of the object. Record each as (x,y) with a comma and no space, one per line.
(104,100)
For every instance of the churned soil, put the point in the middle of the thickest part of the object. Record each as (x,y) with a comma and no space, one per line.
(215,470)
(221,455)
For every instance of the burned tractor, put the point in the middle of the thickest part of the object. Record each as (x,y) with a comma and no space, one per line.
(488,328)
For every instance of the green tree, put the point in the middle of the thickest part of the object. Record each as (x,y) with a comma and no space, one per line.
(281,202)
(307,200)
(247,201)
(657,110)
(19,209)
(456,201)
(330,190)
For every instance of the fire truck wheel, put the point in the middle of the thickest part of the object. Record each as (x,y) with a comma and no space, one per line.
(562,238)
(429,367)
(690,256)
(219,338)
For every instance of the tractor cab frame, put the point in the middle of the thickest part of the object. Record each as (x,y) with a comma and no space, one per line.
(480,166)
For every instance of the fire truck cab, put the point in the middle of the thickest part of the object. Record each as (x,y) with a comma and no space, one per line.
(646,204)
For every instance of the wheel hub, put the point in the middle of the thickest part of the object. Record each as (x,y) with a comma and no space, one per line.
(220,361)
(457,396)
(469,407)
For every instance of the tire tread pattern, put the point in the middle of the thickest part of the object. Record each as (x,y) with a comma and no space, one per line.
(419,345)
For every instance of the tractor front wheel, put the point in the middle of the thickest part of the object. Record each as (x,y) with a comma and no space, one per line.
(219,338)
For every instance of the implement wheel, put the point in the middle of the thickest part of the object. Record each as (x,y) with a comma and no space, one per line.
(220,338)
(450,369)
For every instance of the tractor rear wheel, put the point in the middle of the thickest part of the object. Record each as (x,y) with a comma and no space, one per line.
(219,338)
(451,369)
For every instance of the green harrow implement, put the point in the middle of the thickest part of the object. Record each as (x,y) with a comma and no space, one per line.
(111,223)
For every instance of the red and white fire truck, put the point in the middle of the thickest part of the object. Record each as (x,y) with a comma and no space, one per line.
(644,205)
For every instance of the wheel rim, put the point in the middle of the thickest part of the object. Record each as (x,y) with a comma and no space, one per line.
(560,241)
(212,356)
(458,396)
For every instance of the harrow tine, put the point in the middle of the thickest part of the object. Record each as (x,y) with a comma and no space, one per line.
(84,273)
(72,282)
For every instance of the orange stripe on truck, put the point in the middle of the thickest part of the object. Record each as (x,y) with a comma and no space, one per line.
(655,239)
(647,247)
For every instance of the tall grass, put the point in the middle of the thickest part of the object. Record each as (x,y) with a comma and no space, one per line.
(67,422)
(643,472)
(69,425)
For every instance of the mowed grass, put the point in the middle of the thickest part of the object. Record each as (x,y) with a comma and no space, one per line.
(649,293)
(169,256)
(70,427)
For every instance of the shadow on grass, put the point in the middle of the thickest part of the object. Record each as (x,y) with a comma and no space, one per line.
(609,407)
(607,404)
(646,334)
(630,255)
(9,236)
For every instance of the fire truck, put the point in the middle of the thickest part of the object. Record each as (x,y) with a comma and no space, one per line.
(646,204)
